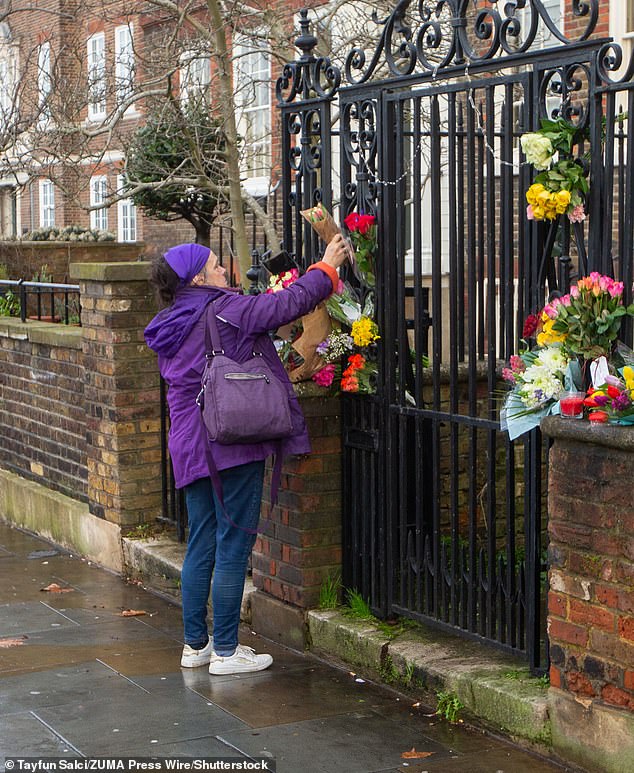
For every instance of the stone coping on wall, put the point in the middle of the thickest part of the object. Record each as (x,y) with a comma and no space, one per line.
(120,271)
(47,333)
(607,435)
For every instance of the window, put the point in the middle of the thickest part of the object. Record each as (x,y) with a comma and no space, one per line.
(47,203)
(126,216)
(195,75)
(44,83)
(622,28)
(124,62)
(252,86)
(8,74)
(97,76)
(98,194)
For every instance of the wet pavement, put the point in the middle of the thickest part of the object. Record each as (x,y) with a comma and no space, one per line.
(78,679)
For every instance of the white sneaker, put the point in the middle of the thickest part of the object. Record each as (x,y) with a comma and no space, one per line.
(242,661)
(192,658)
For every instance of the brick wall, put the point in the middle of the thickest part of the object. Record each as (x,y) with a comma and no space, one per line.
(80,407)
(121,392)
(301,545)
(24,259)
(591,527)
(42,414)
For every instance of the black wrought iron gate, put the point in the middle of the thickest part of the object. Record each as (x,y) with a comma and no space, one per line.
(444,517)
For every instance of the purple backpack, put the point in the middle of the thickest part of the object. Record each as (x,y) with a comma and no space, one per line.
(240,402)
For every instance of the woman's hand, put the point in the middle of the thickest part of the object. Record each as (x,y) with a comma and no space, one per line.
(336,252)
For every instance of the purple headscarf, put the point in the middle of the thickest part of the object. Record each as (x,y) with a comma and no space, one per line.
(187,260)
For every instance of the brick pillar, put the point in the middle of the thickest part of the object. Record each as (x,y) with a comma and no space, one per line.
(591,597)
(302,543)
(121,392)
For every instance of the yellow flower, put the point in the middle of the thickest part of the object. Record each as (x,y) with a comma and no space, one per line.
(533,192)
(548,335)
(628,375)
(364,332)
(562,201)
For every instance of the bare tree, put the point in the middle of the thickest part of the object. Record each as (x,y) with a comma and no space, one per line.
(65,111)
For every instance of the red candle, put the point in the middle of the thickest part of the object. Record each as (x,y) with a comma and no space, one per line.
(572,405)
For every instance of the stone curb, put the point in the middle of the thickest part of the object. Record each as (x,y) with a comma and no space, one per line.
(494,688)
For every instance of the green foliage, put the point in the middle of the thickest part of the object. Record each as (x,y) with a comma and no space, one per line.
(388,671)
(9,305)
(4,271)
(562,135)
(144,531)
(42,275)
(449,706)
(358,607)
(71,233)
(329,592)
(182,141)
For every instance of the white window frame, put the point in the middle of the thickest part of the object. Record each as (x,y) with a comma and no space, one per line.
(44,84)
(126,216)
(194,75)
(96,48)
(47,203)
(253,96)
(8,76)
(124,62)
(98,194)
(619,30)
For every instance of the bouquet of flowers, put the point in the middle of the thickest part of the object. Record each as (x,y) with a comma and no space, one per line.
(537,376)
(362,230)
(589,317)
(561,187)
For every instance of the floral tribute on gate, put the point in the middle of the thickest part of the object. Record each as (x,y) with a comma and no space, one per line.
(575,339)
(335,345)
(561,188)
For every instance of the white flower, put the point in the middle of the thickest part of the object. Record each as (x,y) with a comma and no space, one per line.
(537,149)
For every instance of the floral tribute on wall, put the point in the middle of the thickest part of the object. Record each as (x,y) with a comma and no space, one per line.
(575,338)
(561,188)
(342,353)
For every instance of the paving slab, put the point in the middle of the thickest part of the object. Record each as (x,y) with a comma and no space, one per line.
(77,678)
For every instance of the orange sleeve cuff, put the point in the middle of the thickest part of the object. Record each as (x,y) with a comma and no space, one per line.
(329,270)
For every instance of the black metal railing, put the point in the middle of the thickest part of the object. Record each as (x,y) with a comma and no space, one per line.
(44,301)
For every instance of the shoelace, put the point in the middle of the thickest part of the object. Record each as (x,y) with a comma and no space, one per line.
(247,652)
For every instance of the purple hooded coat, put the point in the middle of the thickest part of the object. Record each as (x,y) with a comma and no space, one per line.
(177,335)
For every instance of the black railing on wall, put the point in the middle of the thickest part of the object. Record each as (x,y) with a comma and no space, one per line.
(48,301)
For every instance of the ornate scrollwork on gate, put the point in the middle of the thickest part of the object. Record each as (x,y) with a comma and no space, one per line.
(454,32)
(609,61)
(360,149)
(569,85)
(310,76)
(305,156)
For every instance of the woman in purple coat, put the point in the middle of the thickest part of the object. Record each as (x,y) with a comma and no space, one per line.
(187,278)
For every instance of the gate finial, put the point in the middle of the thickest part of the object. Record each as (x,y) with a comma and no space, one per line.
(306,41)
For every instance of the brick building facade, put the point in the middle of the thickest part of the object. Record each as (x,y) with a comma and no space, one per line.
(81,64)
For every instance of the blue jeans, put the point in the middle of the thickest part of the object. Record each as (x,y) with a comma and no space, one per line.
(217,548)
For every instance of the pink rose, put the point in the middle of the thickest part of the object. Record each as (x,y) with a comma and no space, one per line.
(529,212)
(616,289)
